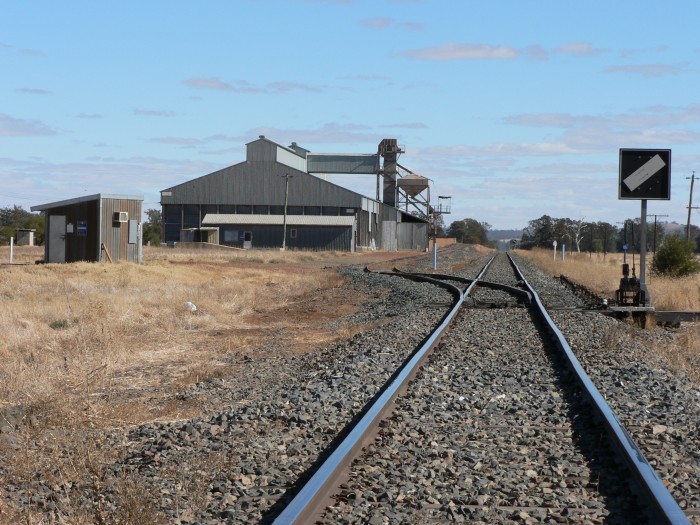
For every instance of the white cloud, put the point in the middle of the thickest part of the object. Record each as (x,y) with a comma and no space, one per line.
(377,23)
(153,112)
(463,52)
(581,49)
(243,86)
(33,91)
(15,127)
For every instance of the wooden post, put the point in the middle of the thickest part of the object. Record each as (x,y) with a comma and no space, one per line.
(109,257)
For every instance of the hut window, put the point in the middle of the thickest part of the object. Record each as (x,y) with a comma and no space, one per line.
(293,233)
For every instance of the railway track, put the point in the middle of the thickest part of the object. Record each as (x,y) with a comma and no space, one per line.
(270,425)
(495,427)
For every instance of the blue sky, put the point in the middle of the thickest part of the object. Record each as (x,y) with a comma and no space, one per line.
(513,108)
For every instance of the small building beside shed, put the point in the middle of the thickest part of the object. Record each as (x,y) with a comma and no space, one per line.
(93,228)
(25,236)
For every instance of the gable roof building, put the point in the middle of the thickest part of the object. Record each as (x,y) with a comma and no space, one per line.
(278,197)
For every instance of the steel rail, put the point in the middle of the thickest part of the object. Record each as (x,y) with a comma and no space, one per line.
(310,499)
(665,508)
(519,292)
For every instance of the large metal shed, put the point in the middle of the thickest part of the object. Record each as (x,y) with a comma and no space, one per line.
(274,177)
(307,232)
(93,228)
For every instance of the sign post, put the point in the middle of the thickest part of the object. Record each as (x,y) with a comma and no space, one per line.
(645,174)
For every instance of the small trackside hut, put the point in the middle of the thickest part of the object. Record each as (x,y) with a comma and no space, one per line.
(93,228)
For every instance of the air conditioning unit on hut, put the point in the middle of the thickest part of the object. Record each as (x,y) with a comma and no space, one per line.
(120,216)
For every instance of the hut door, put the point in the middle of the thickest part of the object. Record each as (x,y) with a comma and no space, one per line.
(57,239)
(247,240)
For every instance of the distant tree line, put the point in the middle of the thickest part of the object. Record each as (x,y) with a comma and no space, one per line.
(587,236)
(15,217)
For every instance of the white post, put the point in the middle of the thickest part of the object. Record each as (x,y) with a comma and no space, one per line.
(12,241)
(555,251)
(563,252)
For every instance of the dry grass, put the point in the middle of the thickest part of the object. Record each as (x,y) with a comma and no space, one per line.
(602,275)
(76,337)
(95,346)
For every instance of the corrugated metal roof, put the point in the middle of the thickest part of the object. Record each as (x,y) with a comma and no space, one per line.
(86,198)
(274,220)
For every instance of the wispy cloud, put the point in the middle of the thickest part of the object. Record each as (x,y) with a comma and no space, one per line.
(89,115)
(463,52)
(239,86)
(30,52)
(381,22)
(286,87)
(331,132)
(580,49)
(242,86)
(377,23)
(652,126)
(15,127)
(648,70)
(557,120)
(153,112)
(178,141)
(98,174)
(466,51)
(406,125)
(654,117)
(192,141)
(410,26)
(32,91)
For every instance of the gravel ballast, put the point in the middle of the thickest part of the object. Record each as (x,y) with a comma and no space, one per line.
(265,427)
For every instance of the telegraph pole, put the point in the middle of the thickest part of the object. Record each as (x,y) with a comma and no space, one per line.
(655,216)
(690,207)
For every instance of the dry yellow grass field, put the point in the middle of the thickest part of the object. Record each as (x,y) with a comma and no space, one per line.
(79,339)
(602,274)
(98,346)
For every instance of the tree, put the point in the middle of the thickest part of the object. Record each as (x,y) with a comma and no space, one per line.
(576,230)
(675,257)
(539,232)
(470,231)
(603,236)
(152,226)
(440,230)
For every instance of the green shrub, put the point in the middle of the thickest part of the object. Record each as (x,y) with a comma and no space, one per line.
(675,257)
(59,324)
